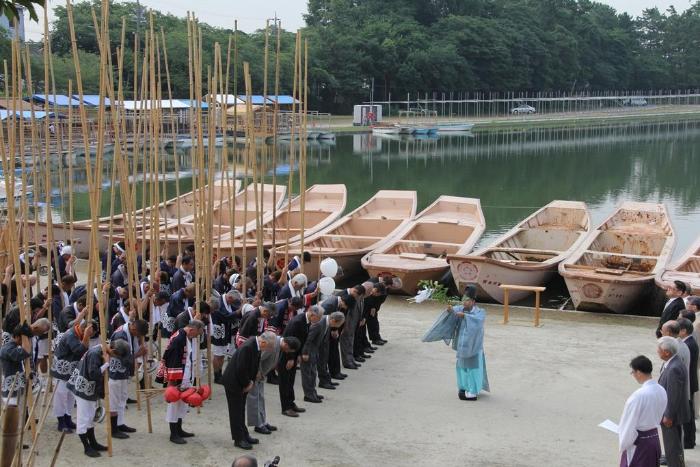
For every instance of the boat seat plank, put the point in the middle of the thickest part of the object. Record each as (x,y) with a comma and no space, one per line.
(351,237)
(418,256)
(428,242)
(617,272)
(525,250)
(621,255)
(528,288)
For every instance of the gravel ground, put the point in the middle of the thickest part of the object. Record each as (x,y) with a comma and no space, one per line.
(551,387)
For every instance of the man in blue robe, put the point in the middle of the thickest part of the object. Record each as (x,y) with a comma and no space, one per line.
(462,326)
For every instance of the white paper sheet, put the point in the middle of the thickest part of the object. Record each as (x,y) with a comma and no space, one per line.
(610,426)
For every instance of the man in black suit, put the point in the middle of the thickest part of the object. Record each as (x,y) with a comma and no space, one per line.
(686,335)
(238,379)
(310,355)
(298,327)
(674,379)
(331,325)
(330,305)
(674,305)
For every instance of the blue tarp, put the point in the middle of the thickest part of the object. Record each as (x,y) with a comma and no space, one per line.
(283,100)
(254,100)
(26,114)
(59,100)
(92,99)
(190,103)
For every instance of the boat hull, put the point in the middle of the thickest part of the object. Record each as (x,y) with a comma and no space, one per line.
(488,275)
(593,294)
(409,279)
(80,240)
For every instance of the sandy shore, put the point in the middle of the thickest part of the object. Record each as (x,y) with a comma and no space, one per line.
(551,387)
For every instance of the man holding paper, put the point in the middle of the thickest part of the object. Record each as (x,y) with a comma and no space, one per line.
(644,409)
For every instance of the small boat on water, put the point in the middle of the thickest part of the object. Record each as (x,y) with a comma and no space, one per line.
(326,135)
(449,226)
(686,269)
(348,239)
(528,254)
(619,260)
(385,129)
(167,212)
(449,127)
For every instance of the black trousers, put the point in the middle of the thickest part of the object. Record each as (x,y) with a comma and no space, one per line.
(361,342)
(333,356)
(236,398)
(689,427)
(373,326)
(286,385)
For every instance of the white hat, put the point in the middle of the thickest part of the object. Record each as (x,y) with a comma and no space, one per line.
(67,250)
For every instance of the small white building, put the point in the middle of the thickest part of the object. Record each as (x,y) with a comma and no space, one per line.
(366,114)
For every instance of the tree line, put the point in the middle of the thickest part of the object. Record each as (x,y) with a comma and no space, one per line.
(409,46)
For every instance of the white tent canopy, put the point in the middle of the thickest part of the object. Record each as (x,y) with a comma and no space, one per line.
(146,105)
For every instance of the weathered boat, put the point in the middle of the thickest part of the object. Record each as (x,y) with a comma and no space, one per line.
(348,239)
(449,226)
(167,212)
(323,204)
(528,254)
(686,269)
(269,200)
(618,261)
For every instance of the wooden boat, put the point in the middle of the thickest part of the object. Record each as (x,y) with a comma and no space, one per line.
(244,213)
(323,204)
(354,235)
(686,269)
(618,261)
(82,229)
(449,226)
(528,254)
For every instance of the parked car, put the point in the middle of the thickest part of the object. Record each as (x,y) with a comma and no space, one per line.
(523,109)
(635,102)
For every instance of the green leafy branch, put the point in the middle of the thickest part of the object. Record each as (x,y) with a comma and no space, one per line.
(440,293)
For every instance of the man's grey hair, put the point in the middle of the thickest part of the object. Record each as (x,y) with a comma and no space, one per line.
(120,347)
(234,293)
(300,279)
(196,324)
(668,344)
(337,316)
(269,337)
(316,310)
(245,460)
(42,324)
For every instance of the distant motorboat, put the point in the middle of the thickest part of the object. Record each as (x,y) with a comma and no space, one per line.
(385,130)
(449,127)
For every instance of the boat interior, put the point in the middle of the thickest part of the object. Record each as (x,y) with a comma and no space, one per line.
(691,264)
(546,235)
(434,240)
(619,252)
(368,225)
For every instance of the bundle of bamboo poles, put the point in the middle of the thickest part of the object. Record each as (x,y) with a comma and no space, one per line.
(147,163)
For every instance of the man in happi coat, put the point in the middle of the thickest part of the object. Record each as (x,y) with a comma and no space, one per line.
(12,357)
(87,385)
(69,351)
(181,360)
(463,327)
(121,370)
(644,409)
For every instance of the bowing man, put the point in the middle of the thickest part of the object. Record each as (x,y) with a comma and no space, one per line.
(239,379)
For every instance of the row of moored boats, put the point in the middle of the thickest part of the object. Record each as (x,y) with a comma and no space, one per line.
(605,268)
